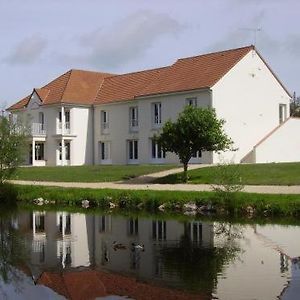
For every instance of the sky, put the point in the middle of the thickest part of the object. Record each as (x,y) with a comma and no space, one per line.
(41,40)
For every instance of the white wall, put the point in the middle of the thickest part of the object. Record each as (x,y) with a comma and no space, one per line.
(281,146)
(119,133)
(248,98)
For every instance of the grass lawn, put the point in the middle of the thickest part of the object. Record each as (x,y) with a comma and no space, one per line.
(88,173)
(252,174)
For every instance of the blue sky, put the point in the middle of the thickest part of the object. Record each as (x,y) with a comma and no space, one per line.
(42,39)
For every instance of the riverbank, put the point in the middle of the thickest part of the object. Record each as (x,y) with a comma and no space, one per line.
(250,204)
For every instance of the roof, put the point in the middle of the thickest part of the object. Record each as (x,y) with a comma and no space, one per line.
(75,86)
(186,74)
(126,86)
(89,284)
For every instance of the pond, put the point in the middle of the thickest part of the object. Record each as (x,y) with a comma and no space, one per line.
(59,255)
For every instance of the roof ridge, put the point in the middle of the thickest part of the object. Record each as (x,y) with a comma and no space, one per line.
(141,71)
(89,71)
(217,52)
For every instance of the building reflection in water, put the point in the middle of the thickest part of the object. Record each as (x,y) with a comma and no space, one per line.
(132,246)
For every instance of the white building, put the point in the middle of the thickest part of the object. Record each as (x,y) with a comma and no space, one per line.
(87,117)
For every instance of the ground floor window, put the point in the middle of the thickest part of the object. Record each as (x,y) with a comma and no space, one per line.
(67,151)
(105,150)
(133,150)
(197,154)
(39,151)
(157,151)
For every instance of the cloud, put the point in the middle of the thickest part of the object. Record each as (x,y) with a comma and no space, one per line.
(126,40)
(27,51)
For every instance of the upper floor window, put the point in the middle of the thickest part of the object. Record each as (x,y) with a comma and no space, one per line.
(42,120)
(104,119)
(282,113)
(191,101)
(156,110)
(133,117)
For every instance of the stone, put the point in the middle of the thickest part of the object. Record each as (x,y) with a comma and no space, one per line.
(162,207)
(85,203)
(189,206)
(112,205)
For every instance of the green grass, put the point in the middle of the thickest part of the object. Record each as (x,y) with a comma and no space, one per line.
(250,174)
(88,173)
(263,204)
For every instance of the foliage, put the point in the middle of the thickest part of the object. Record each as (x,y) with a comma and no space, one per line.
(12,146)
(196,129)
(228,182)
(295,106)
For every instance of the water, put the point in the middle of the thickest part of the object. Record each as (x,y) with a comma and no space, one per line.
(58,255)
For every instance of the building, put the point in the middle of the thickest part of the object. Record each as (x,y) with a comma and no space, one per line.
(98,118)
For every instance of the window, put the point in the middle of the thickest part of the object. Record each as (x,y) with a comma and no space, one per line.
(133,150)
(191,101)
(104,224)
(159,230)
(39,151)
(282,113)
(68,151)
(104,119)
(133,117)
(197,154)
(41,120)
(157,151)
(157,114)
(67,119)
(105,150)
(194,231)
(133,226)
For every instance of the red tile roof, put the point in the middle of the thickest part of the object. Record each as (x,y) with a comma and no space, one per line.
(75,86)
(84,87)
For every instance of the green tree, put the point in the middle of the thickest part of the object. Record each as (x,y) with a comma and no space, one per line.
(196,129)
(12,146)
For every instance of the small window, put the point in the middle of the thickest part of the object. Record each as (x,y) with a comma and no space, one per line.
(133,226)
(191,101)
(39,151)
(133,117)
(156,113)
(105,150)
(68,151)
(159,230)
(133,150)
(282,113)
(157,151)
(104,119)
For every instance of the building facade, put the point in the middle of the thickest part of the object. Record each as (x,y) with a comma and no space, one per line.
(99,118)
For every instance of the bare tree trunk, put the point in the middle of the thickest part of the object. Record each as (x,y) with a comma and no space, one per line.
(185,175)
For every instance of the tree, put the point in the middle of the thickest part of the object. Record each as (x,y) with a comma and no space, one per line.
(295,106)
(196,129)
(12,146)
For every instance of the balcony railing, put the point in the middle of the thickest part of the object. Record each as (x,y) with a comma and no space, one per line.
(66,130)
(38,129)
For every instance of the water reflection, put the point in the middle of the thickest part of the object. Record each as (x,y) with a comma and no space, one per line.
(98,255)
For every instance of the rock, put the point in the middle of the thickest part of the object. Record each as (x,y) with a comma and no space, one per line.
(162,207)
(52,202)
(112,205)
(190,206)
(46,202)
(177,207)
(250,210)
(39,201)
(85,203)
(190,213)
(206,208)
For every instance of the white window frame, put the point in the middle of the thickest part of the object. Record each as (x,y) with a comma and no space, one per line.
(156,114)
(133,118)
(104,121)
(105,158)
(158,155)
(282,112)
(192,101)
(135,151)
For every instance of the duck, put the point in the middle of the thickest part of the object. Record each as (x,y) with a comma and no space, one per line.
(118,246)
(138,247)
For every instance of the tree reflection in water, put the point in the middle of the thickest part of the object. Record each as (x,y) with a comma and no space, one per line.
(12,251)
(198,265)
